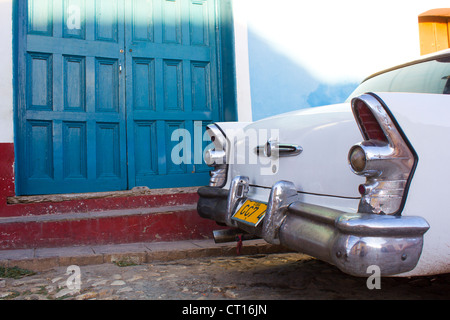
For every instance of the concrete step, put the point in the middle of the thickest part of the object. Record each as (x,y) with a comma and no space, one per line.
(138,197)
(161,223)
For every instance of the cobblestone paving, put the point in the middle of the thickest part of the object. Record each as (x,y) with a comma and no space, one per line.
(273,276)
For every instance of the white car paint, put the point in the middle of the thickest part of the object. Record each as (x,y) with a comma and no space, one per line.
(424,118)
(321,167)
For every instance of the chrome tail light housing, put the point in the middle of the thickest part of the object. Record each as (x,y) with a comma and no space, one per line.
(385,158)
(216,157)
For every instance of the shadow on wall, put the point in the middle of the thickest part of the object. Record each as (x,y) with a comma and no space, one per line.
(280,85)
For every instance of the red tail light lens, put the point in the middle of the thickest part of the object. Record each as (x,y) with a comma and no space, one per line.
(369,125)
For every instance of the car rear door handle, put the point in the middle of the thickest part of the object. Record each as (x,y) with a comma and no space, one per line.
(274,148)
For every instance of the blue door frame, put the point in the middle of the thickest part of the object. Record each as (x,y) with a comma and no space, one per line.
(102,87)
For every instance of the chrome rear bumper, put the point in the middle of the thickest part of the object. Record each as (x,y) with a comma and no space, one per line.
(350,241)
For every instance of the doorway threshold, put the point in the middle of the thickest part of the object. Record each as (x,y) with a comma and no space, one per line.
(136,191)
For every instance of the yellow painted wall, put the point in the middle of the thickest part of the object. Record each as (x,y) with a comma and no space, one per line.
(434,30)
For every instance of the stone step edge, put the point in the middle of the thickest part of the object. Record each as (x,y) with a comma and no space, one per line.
(41,259)
(98,214)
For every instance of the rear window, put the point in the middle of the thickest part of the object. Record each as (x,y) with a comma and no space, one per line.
(424,77)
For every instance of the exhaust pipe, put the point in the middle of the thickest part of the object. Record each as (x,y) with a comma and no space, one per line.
(232,235)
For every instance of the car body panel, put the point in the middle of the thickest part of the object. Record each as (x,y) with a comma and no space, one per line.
(424,119)
(322,166)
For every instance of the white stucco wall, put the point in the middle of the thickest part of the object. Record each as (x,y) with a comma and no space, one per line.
(6,88)
(244,101)
(297,48)
(364,36)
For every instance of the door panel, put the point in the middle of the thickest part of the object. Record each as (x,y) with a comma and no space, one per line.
(74,83)
(108,89)
(72,132)
(74,150)
(106,85)
(172,60)
(107,20)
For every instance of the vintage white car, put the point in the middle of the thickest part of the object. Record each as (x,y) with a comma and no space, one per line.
(358,184)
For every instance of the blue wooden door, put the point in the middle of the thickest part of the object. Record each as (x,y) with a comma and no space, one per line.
(172,89)
(103,87)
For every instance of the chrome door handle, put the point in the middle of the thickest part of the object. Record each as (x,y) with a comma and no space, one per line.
(273,148)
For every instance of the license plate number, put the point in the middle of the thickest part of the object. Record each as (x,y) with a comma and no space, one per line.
(251,212)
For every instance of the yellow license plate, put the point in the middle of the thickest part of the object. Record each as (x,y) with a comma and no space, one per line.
(251,212)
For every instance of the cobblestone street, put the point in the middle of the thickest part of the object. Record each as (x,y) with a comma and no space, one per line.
(280,276)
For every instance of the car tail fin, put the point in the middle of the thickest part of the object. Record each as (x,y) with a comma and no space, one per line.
(385,157)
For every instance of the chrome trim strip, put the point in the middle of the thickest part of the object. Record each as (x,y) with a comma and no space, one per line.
(374,225)
(217,157)
(220,140)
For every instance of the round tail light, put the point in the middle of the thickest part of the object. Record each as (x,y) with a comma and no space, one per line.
(357,159)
